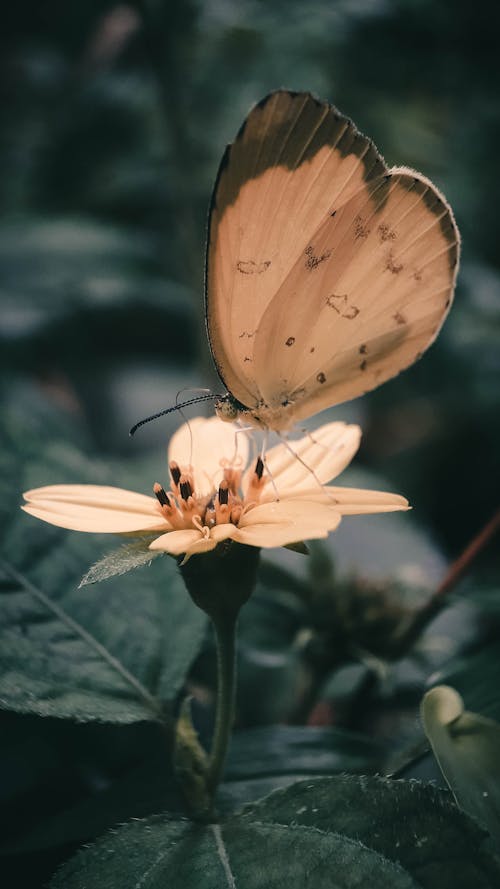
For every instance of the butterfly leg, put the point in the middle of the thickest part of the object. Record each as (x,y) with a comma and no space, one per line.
(309,469)
(264,461)
(245,430)
(311,438)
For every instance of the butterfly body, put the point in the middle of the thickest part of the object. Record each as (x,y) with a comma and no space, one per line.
(327,273)
(262,415)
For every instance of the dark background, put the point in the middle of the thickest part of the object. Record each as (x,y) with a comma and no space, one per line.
(113,121)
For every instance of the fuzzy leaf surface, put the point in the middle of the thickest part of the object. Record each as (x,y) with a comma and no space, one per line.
(157,853)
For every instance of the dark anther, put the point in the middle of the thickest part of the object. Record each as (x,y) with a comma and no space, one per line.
(175,473)
(186,490)
(259,468)
(223,493)
(160,493)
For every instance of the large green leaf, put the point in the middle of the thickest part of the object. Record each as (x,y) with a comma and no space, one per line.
(116,651)
(157,853)
(340,832)
(412,824)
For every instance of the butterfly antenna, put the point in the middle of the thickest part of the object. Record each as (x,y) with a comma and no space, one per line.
(170,410)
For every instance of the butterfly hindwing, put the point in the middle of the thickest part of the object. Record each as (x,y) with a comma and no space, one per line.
(363,301)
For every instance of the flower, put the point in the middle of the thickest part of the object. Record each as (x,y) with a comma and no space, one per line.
(215,496)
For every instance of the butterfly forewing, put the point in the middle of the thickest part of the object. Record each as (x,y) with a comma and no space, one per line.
(326,273)
(293,159)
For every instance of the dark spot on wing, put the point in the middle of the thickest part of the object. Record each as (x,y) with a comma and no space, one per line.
(333,214)
(290,341)
(313,261)
(340,303)
(312,349)
(386,233)
(399,318)
(361,230)
(392,265)
(321,377)
(417,274)
(363,349)
(247,334)
(247,358)
(250,267)
(362,366)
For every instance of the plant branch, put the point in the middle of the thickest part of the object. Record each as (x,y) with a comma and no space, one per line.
(452,577)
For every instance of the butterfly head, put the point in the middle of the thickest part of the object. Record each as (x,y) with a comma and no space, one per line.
(228,408)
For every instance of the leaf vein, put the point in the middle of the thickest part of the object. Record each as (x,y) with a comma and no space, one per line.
(147,699)
(223,856)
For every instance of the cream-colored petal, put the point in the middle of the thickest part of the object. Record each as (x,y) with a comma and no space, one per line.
(176,542)
(203,444)
(309,462)
(356,501)
(301,521)
(95,508)
(291,512)
(222,532)
(353,501)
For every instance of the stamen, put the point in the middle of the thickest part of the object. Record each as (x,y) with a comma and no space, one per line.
(232,477)
(223,493)
(175,472)
(185,487)
(256,482)
(222,508)
(160,493)
(236,513)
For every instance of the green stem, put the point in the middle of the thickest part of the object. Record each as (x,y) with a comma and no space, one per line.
(225,636)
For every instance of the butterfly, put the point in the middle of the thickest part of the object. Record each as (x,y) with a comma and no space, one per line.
(327,273)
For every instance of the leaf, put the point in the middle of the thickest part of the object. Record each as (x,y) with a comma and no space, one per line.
(299,750)
(144,789)
(115,653)
(120,561)
(467,748)
(265,759)
(475,677)
(158,853)
(410,823)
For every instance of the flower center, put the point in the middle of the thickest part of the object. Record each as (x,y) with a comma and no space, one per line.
(184,508)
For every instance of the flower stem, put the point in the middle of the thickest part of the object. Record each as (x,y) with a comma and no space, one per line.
(225,636)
